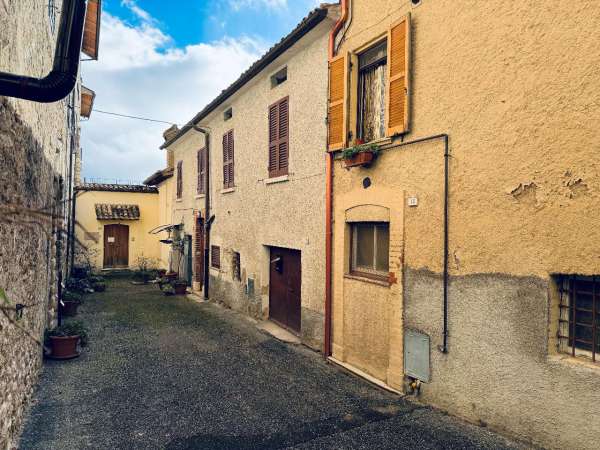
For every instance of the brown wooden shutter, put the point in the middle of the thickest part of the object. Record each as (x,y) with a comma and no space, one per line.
(228,153)
(201,171)
(179,179)
(279,131)
(338,78)
(398,76)
(215,256)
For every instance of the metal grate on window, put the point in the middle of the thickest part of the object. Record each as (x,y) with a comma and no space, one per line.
(579,321)
(52,14)
(236,266)
(215,256)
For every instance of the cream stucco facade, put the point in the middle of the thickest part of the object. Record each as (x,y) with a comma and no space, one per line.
(514,86)
(90,230)
(260,213)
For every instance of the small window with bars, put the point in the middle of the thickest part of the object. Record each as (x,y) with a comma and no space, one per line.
(215,256)
(52,15)
(579,322)
(235,263)
(201,182)
(179,179)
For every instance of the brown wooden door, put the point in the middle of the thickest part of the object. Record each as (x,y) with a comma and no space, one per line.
(285,283)
(199,252)
(116,246)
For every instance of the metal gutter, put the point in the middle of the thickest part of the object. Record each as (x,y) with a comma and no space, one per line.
(62,78)
(329,200)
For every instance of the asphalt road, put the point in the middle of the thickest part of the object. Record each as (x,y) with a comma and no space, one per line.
(168,373)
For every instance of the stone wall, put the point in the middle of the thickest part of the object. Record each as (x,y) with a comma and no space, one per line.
(35,140)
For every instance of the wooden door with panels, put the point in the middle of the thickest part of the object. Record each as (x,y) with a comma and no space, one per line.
(285,294)
(116,246)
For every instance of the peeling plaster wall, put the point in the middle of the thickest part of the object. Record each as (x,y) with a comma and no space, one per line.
(34,153)
(256,214)
(514,84)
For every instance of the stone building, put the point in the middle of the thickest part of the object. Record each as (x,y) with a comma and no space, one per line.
(482,296)
(266,184)
(39,148)
(115,224)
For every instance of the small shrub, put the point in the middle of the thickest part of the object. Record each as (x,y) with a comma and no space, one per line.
(69,296)
(67,329)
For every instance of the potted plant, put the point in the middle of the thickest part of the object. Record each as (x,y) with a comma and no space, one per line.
(360,155)
(70,302)
(168,290)
(161,272)
(171,276)
(63,340)
(179,286)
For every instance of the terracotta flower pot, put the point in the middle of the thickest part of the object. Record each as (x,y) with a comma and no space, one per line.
(180,289)
(171,276)
(69,309)
(360,159)
(64,347)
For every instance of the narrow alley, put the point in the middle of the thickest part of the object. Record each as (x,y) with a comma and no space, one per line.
(167,372)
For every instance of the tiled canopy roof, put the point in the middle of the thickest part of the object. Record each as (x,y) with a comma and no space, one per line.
(117,188)
(105,211)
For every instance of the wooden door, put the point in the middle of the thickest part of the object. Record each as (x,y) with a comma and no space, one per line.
(199,252)
(116,246)
(285,283)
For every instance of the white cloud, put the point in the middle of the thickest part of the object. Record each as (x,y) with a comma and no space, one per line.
(135,9)
(237,5)
(141,73)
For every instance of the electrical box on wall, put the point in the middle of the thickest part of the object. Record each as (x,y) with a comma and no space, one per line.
(416,355)
(413,201)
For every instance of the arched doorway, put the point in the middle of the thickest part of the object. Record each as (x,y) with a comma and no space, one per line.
(116,246)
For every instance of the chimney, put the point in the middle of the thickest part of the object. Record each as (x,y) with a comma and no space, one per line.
(170,133)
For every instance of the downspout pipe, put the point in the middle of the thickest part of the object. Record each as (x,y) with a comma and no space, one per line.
(329,199)
(207,218)
(444,347)
(62,78)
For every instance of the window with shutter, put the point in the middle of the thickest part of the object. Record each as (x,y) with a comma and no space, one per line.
(228,153)
(201,189)
(336,117)
(398,76)
(179,179)
(215,256)
(279,131)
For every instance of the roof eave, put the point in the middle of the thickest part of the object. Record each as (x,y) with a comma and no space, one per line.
(309,23)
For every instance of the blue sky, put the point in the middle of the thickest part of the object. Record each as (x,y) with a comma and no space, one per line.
(163,59)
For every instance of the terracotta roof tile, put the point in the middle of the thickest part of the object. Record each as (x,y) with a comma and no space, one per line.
(117,188)
(105,211)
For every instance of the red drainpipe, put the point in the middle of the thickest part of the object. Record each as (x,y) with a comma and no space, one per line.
(329,199)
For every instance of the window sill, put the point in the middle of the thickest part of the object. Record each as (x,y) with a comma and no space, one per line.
(178,200)
(373,280)
(280,179)
(200,196)
(575,362)
(228,190)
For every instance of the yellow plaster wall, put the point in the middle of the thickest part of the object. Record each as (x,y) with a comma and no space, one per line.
(165,217)
(514,84)
(140,242)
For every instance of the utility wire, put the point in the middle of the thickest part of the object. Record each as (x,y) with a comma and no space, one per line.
(133,117)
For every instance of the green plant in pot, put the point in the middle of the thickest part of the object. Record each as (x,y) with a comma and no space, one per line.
(179,286)
(360,155)
(168,289)
(63,340)
(70,302)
